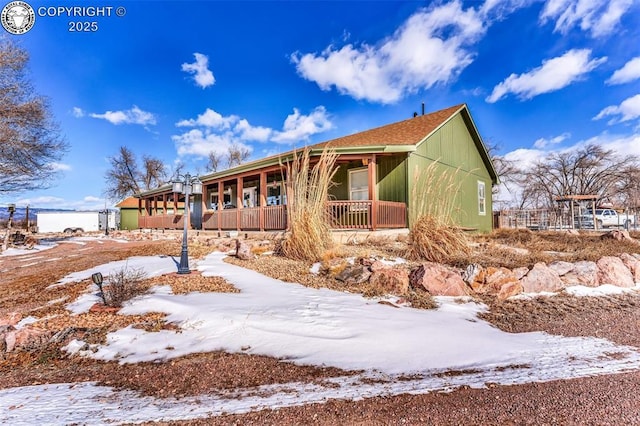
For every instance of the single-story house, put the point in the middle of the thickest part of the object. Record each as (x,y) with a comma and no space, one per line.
(375,184)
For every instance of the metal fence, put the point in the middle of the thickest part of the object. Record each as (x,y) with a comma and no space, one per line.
(553,219)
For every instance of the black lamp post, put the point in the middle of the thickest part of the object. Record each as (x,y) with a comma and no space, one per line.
(187,185)
(106,221)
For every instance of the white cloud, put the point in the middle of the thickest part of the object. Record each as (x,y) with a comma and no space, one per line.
(629,109)
(210,118)
(554,74)
(599,17)
(78,112)
(629,72)
(499,9)
(248,132)
(299,127)
(200,143)
(131,116)
(430,47)
(623,145)
(53,202)
(203,76)
(543,142)
(59,166)
(43,201)
(214,132)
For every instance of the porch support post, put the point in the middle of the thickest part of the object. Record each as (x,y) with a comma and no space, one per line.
(289,196)
(205,194)
(141,221)
(239,201)
(373,193)
(263,197)
(220,203)
(175,205)
(164,204)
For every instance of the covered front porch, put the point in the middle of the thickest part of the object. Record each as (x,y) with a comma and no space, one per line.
(367,214)
(255,200)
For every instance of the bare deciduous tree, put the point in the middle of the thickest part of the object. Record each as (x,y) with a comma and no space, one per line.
(237,155)
(589,170)
(154,172)
(214,162)
(507,172)
(126,177)
(30,142)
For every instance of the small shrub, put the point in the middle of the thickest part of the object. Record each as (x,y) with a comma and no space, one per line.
(122,286)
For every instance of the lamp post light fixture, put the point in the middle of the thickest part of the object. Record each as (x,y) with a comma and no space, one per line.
(187,185)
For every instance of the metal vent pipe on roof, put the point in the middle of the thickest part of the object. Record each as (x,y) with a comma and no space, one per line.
(423,108)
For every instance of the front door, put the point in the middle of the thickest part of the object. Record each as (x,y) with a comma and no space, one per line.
(249,196)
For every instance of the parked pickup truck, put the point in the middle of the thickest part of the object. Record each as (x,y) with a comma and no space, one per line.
(608,217)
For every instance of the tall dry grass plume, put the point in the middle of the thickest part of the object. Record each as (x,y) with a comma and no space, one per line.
(309,234)
(434,234)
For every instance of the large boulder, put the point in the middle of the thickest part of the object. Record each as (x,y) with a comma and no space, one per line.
(496,278)
(583,273)
(541,278)
(618,235)
(391,280)
(561,267)
(633,263)
(510,289)
(29,338)
(10,318)
(520,272)
(491,280)
(611,270)
(354,274)
(473,273)
(438,280)
(243,251)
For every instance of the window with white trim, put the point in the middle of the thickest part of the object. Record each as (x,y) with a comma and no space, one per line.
(213,201)
(358,184)
(482,199)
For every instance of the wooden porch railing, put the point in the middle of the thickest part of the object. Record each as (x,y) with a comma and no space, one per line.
(364,214)
(391,214)
(367,214)
(163,221)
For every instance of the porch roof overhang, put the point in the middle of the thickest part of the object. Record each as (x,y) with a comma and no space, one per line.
(274,162)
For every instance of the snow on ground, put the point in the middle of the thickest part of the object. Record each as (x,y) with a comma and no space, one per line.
(13,251)
(151,265)
(404,350)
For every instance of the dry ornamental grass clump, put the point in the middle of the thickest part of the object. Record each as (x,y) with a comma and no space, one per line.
(309,233)
(434,240)
(434,235)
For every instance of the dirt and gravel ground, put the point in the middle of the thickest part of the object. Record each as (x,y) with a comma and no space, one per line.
(601,400)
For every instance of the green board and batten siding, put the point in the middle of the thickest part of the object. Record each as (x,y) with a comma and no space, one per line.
(456,151)
(392,178)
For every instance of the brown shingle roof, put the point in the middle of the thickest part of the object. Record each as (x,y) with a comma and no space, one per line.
(407,132)
(130,202)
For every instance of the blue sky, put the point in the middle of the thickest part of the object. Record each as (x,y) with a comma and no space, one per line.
(177,80)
